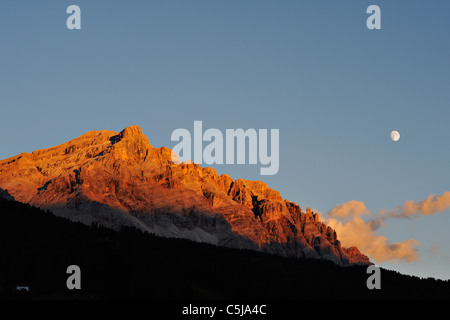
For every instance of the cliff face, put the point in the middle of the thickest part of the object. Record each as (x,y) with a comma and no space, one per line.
(119,179)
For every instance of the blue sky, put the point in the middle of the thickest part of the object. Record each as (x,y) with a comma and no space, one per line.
(311,69)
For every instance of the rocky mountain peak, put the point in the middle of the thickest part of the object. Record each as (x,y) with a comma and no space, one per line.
(119,179)
(131,132)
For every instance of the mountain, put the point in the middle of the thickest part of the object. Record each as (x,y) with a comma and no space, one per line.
(119,179)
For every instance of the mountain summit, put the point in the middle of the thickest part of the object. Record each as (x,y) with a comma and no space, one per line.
(119,179)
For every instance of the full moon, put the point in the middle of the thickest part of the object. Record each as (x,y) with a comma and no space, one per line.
(395,136)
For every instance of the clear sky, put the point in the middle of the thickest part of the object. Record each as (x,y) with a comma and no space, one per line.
(311,69)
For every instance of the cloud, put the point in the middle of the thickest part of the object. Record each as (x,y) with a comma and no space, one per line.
(349,209)
(360,233)
(352,230)
(436,252)
(431,205)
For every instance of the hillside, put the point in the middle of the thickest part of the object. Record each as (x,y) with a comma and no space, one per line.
(36,247)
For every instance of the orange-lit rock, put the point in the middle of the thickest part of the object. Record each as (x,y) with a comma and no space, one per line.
(119,179)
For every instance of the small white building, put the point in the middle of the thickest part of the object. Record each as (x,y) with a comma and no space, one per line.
(23,288)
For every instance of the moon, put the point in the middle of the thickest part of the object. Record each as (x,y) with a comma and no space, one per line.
(395,136)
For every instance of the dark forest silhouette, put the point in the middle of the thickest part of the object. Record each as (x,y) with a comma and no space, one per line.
(36,248)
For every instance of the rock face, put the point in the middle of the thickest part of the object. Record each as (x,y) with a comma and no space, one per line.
(119,179)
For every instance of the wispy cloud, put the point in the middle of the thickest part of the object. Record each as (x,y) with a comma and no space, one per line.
(435,251)
(411,209)
(360,233)
(349,209)
(353,230)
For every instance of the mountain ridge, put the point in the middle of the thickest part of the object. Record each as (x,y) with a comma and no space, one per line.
(120,179)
